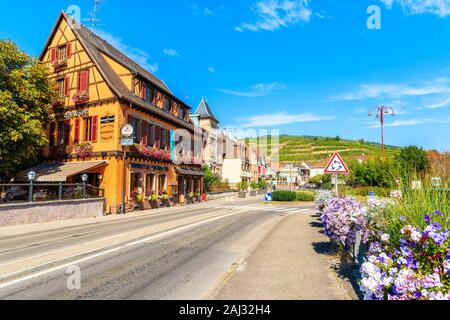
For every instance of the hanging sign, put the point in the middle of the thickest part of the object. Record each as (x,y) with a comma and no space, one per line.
(127,131)
(336,165)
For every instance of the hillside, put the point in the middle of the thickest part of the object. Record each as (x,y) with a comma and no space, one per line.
(318,149)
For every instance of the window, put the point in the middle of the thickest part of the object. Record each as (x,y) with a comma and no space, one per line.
(137,126)
(63,133)
(90,129)
(148,94)
(163,138)
(62,53)
(151,135)
(167,104)
(61,87)
(182,113)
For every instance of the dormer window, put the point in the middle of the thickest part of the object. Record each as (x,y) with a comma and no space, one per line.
(182,114)
(167,103)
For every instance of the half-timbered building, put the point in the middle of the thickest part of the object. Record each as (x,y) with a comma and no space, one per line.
(101,89)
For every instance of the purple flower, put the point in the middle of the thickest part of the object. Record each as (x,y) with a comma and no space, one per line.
(437,226)
(402,219)
(427,218)
(438,213)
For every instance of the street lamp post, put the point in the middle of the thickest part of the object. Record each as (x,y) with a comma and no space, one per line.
(31,177)
(381,112)
(84,177)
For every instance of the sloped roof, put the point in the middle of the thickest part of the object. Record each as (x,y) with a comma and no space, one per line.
(204,111)
(95,46)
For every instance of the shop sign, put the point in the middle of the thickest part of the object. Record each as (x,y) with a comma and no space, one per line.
(76,114)
(107,127)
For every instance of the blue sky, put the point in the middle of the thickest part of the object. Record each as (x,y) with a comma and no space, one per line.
(306,67)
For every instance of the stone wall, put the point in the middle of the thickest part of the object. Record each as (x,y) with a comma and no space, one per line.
(42,212)
(215,196)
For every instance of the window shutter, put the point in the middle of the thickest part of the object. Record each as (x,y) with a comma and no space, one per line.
(77,131)
(66,86)
(83,84)
(94,129)
(158,137)
(53,55)
(94,126)
(69,50)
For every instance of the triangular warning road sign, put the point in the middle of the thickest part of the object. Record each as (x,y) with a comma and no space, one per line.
(336,165)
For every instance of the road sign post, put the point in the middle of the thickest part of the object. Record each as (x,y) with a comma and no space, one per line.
(126,141)
(336,166)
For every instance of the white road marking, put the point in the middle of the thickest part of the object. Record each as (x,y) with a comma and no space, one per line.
(131,244)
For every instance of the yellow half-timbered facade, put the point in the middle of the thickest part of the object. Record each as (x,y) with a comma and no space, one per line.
(100,91)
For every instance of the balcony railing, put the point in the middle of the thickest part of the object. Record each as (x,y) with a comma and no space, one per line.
(60,64)
(33,192)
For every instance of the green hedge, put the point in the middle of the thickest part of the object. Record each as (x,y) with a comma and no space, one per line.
(288,196)
(284,196)
(306,196)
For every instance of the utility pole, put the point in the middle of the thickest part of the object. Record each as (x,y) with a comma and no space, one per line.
(381,112)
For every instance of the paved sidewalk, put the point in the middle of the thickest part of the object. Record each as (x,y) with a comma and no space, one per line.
(291,263)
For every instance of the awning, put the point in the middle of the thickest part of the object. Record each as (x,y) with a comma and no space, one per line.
(190,172)
(59,172)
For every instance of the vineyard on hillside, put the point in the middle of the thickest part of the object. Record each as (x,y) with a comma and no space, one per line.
(318,149)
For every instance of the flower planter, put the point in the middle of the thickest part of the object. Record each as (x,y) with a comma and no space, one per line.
(165,203)
(253,193)
(242,195)
(154,204)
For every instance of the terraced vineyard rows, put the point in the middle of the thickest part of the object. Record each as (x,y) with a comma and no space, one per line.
(318,149)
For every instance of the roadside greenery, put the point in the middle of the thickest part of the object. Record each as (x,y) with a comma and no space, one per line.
(26,96)
(291,196)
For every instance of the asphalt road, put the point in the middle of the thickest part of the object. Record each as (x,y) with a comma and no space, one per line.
(185,264)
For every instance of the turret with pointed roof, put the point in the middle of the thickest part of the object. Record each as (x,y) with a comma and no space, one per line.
(204,112)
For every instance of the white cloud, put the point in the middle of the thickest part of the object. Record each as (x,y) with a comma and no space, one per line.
(411,122)
(440,8)
(201,11)
(274,14)
(441,104)
(211,69)
(171,52)
(257,90)
(280,118)
(138,55)
(378,91)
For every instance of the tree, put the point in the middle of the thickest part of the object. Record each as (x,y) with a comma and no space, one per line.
(413,160)
(26,95)
(210,179)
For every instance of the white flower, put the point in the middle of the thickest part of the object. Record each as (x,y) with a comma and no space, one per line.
(385,237)
(416,236)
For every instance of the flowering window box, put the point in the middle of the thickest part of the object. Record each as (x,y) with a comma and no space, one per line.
(81,97)
(84,150)
(59,64)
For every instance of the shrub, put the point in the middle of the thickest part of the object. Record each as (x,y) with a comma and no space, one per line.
(306,196)
(263,184)
(364,191)
(243,186)
(322,198)
(284,196)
